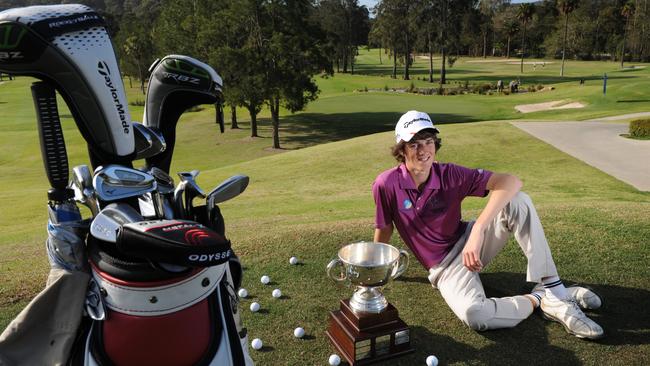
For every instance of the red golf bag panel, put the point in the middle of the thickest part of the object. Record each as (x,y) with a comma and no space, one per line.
(163,314)
(169,324)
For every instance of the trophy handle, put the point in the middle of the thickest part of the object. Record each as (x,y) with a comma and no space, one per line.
(403,263)
(336,263)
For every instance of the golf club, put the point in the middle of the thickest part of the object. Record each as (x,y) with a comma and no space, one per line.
(148,142)
(82,184)
(115,182)
(230,188)
(105,225)
(185,192)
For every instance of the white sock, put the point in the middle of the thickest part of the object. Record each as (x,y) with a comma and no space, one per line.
(537,295)
(554,289)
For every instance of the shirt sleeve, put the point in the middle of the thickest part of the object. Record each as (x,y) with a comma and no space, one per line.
(383,210)
(474,181)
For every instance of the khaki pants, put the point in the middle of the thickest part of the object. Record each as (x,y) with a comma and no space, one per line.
(463,290)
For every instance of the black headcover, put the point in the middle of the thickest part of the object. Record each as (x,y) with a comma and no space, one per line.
(179,242)
(176,84)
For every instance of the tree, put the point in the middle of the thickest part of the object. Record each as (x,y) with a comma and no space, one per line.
(525,14)
(291,55)
(425,13)
(396,31)
(134,39)
(346,25)
(566,7)
(626,11)
(488,9)
(511,28)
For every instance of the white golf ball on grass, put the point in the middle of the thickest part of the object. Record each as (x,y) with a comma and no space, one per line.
(293,260)
(276,293)
(432,361)
(299,332)
(242,293)
(255,307)
(265,280)
(256,343)
(334,360)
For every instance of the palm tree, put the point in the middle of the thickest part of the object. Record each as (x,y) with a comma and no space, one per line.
(566,7)
(511,28)
(524,14)
(626,11)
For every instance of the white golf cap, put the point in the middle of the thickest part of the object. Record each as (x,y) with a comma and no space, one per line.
(411,123)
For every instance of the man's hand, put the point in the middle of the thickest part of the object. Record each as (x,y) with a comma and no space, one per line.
(472,250)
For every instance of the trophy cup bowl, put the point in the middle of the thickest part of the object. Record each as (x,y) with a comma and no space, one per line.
(369,267)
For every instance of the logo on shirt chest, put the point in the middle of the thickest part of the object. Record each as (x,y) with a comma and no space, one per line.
(407,204)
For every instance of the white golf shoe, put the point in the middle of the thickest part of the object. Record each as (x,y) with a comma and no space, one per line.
(572,318)
(585,298)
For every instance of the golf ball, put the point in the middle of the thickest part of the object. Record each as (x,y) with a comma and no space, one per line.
(299,332)
(265,279)
(293,260)
(335,360)
(432,361)
(255,307)
(242,292)
(276,293)
(256,343)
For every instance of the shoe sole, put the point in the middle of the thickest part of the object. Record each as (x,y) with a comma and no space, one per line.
(551,318)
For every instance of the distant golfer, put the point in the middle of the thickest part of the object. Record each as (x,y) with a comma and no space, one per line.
(422,198)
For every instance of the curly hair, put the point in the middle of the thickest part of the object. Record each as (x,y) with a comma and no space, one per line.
(398,149)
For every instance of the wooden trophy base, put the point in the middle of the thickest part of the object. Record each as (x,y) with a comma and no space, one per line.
(366,338)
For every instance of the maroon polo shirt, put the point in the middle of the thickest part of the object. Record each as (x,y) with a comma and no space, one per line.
(429,221)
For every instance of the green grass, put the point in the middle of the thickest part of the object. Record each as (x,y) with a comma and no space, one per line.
(315,197)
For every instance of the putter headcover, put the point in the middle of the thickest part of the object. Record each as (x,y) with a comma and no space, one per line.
(179,242)
(68,46)
(176,84)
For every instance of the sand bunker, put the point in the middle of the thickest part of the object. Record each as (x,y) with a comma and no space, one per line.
(558,104)
(534,63)
(491,60)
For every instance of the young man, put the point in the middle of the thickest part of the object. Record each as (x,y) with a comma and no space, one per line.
(422,198)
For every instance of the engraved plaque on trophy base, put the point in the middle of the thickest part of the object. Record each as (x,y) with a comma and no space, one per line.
(366,338)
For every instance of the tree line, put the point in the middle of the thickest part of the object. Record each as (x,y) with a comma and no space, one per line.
(268,51)
(617,30)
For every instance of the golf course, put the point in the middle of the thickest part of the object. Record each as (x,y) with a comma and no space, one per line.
(313,196)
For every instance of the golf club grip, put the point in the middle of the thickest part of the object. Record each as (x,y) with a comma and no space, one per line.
(50,133)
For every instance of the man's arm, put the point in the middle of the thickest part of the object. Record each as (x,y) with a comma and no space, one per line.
(383,235)
(503,188)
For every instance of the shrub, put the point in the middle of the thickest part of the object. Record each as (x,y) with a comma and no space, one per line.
(137,103)
(451,60)
(411,88)
(640,128)
(385,87)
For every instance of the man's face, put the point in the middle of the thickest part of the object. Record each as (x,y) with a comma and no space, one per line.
(420,154)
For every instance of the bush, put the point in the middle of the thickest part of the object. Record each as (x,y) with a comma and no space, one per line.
(137,103)
(640,128)
(451,60)
(411,88)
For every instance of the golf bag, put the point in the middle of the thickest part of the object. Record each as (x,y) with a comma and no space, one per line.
(163,291)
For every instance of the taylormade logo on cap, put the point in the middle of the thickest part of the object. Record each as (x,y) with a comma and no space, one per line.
(411,123)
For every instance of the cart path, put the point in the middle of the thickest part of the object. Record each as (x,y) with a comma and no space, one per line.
(598,144)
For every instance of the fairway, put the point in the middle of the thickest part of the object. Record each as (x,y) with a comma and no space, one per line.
(313,197)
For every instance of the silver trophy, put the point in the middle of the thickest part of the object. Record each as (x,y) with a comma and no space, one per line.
(369,267)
